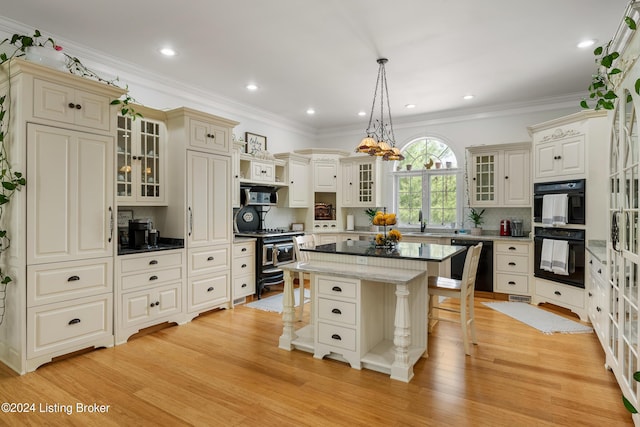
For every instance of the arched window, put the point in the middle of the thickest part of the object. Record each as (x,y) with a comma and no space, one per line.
(428,184)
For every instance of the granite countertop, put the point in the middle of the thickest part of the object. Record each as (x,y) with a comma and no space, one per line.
(165,244)
(403,250)
(453,234)
(598,248)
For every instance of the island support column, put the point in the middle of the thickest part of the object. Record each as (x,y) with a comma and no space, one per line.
(401,369)
(288,316)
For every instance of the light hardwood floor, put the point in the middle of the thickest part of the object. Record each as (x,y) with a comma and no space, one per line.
(224,368)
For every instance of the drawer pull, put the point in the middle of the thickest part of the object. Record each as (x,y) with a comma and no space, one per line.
(210,258)
(599,271)
(73,279)
(590,294)
(336,311)
(244,285)
(336,337)
(210,289)
(590,261)
(511,282)
(511,248)
(153,278)
(243,250)
(512,263)
(599,309)
(558,293)
(244,266)
(153,262)
(74,321)
(336,289)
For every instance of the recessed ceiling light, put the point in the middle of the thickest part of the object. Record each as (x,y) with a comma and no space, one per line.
(586,43)
(410,106)
(362,113)
(252,86)
(167,51)
(467,97)
(311,111)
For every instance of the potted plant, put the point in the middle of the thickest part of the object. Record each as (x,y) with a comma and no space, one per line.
(476,217)
(371,213)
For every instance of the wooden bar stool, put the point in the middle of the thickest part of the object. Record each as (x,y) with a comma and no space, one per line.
(306,241)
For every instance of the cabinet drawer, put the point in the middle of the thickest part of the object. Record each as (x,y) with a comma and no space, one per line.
(152,278)
(337,336)
(338,311)
(243,265)
(512,264)
(209,260)
(339,288)
(150,262)
(50,283)
(512,248)
(244,285)
(561,293)
(244,249)
(508,283)
(208,290)
(61,326)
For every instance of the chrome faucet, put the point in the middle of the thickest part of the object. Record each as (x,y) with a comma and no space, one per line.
(423,225)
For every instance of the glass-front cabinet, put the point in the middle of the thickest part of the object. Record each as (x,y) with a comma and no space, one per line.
(140,161)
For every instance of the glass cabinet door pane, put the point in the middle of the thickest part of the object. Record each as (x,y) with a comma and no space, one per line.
(124,154)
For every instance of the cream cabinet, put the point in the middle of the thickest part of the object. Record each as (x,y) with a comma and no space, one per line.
(208,135)
(359,185)
(244,269)
(559,158)
(297,190)
(566,296)
(500,175)
(68,104)
(261,171)
(62,224)
(238,148)
(325,175)
(512,267)
(148,291)
(597,297)
(141,159)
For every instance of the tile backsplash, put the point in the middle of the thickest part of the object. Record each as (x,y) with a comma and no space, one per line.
(492,217)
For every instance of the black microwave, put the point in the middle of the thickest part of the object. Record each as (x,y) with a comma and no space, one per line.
(258,196)
(576,195)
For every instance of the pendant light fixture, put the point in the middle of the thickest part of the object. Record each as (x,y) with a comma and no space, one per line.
(380,140)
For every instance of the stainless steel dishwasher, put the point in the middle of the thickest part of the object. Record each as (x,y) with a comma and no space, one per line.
(484,277)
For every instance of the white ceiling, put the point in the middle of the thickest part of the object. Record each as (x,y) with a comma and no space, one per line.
(322,53)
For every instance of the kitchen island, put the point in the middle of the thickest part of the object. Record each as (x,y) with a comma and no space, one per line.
(368,304)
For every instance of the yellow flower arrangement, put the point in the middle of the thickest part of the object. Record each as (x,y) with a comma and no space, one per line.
(382,218)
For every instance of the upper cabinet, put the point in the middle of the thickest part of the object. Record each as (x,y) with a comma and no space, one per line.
(325,175)
(561,146)
(263,171)
(358,181)
(66,104)
(499,175)
(297,193)
(141,159)
(208,135)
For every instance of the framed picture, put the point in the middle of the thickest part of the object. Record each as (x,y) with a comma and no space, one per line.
(255,143)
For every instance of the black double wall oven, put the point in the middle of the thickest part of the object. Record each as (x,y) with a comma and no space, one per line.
(569,233)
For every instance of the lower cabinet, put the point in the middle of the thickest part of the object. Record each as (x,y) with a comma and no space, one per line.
(562,295)
(149,291)
(69,308)
(209,279)
(512,267)
(244,269)
(597,297)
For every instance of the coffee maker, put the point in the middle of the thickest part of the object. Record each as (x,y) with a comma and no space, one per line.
(142,235)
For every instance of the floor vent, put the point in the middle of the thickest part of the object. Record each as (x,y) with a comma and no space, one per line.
(520,298)
(239,301)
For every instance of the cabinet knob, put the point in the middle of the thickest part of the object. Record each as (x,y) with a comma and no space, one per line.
(243,250)
(336,337)
(74,321)
(210,289)
(599,271)
(590,294)
(598,309)
(73,279)
(506,177)
(244,266)
(244,285)
(474,178)
(72,105)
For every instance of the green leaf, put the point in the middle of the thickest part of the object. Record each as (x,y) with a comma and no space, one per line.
(637,86)
(6,279)
(9,185)
(3,199)
(615,71)
(115,102)
(584,104)
(610,95)
(3,233)
(630,22)
(629,406)
(598,51)
(636,376)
